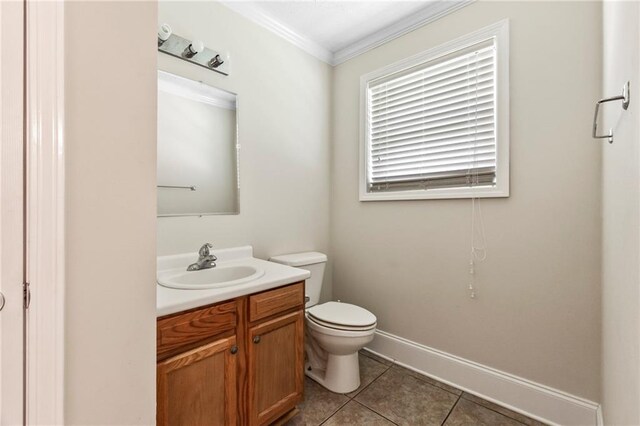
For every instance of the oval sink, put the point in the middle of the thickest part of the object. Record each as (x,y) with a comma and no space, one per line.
(220,276)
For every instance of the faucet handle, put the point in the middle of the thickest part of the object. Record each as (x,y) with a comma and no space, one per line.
(204,250)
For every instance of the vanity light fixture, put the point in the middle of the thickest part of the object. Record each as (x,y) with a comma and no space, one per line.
(193,51)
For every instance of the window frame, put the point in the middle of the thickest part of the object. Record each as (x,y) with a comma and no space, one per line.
(500,33)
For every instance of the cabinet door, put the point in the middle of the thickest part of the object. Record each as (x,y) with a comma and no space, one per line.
(198,387)
(275,373)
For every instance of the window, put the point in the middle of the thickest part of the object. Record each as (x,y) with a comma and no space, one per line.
(436,125)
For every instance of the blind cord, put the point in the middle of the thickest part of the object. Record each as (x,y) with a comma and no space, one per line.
(478,252)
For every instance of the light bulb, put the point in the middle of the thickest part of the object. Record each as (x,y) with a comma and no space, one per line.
(193,49)
(196,46)
(164,32)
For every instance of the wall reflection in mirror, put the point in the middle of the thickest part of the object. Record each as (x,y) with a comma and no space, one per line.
(197,148)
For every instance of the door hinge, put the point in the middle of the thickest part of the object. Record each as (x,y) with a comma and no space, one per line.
(26,293)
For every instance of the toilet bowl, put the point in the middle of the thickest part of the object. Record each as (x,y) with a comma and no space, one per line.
(334,331)
(333,343)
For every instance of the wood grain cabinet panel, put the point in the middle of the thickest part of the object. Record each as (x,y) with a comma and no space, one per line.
(272,302)
(199,387)
(275,367)
(190,327)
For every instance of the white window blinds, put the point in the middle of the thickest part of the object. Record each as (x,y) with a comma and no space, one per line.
(433,125)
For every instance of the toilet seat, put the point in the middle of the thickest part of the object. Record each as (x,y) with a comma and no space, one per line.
(342,316)
(316,327)
(339,326)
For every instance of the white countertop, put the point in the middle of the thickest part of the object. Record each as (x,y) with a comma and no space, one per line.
(170,300)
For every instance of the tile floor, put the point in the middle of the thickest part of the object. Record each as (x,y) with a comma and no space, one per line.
(392,395)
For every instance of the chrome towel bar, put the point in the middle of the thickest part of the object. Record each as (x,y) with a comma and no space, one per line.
(625,98)
(192,188)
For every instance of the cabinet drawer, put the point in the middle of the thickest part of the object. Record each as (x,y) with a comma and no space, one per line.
(184,329)
(275,301)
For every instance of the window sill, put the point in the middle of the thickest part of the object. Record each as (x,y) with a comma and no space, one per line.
(436,194)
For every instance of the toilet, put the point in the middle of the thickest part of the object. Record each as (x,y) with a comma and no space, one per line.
(334,331)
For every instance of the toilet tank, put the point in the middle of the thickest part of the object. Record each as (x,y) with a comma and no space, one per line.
(313,262)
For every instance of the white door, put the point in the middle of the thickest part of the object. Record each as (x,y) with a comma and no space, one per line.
(11,212)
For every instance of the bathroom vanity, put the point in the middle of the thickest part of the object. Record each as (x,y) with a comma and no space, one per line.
(241,359)
(238,360)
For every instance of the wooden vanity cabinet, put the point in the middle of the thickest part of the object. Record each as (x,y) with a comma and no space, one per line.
(275,353)
(239,362)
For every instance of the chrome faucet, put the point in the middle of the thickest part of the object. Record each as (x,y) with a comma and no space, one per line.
(205,259)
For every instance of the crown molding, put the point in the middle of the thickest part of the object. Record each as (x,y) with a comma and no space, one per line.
(257,16)
(434,11)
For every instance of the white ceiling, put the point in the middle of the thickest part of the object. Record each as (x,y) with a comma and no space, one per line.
(335,30)
(335,25)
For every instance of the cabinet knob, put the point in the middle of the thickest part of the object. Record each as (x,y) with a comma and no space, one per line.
(234,350)
(256,339)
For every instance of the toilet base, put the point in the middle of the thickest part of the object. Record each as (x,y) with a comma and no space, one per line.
(342,374)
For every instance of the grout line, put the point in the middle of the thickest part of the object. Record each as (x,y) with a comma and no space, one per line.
(495,411)
(365,405)
(335,412)
(372,382)
(428,380)
(376,358)
(451,410)
(387,367)
(458,396)
(374,411)
(352,398)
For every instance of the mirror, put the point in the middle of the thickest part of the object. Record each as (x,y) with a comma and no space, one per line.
(197,148)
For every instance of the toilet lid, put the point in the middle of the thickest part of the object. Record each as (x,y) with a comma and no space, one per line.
(339,326)
(342,314)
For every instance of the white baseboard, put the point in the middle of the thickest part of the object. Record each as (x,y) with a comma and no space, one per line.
(532,399)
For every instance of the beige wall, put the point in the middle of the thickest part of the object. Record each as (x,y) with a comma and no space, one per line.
(110,115)
(621,219)
(283,119)
(538,310)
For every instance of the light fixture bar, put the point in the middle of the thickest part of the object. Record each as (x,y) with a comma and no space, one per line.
(184,49)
